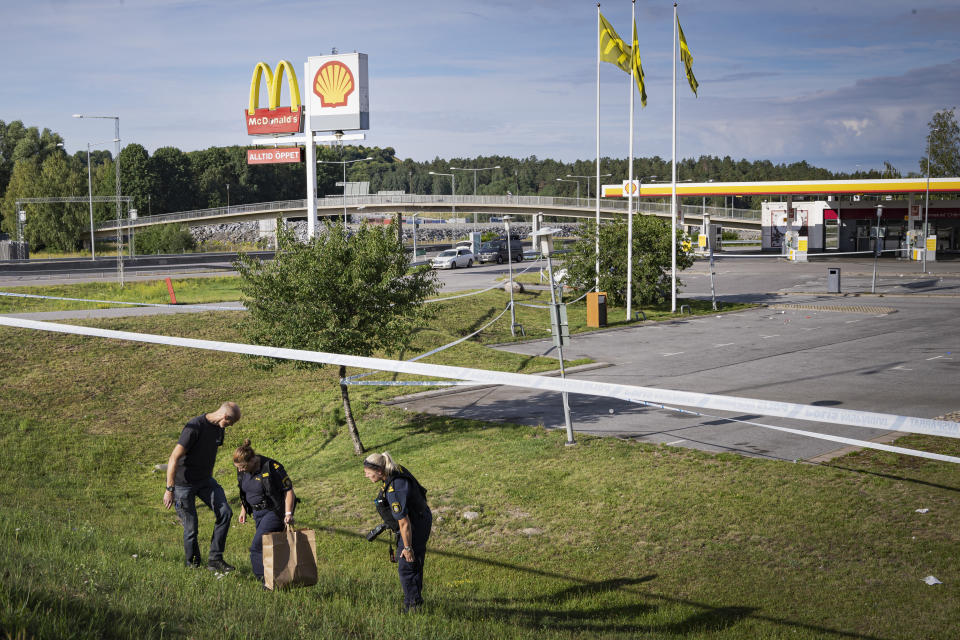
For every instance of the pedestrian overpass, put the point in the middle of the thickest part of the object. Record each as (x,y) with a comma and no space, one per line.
(435,206)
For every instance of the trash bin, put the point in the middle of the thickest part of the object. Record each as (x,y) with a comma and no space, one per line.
(597,309)
(833,280)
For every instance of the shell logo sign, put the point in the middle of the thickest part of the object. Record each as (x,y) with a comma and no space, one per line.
(339,97)
(334,84)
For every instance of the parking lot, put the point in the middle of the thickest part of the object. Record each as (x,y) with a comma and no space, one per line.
(892,353)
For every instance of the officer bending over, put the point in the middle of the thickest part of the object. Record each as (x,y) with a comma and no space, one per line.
(408,509)
(266,493)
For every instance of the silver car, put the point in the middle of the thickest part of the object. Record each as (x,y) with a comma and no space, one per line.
(452,258)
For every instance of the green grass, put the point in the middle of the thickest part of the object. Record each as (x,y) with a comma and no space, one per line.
(610,538)
(187,291)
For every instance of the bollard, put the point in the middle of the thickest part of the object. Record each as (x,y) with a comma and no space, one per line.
(173,298)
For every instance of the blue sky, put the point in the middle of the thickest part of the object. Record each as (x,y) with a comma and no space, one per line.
(841,84)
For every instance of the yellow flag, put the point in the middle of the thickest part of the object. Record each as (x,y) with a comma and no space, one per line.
(637,68)
(612,47)
(687,58)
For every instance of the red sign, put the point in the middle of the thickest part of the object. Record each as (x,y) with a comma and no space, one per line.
(274,156)
(279,120)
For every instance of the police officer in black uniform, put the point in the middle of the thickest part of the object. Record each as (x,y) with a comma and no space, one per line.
(266,493)
(407,503)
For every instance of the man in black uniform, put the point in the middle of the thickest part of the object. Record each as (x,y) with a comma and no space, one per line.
(190,475)
(407,501)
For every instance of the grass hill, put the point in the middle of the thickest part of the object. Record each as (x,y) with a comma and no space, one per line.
(608,539)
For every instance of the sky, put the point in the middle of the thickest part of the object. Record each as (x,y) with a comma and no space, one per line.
(844,85)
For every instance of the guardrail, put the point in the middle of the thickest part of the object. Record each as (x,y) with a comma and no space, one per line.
(463,202)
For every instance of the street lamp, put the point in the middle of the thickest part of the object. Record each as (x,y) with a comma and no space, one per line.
(228,196)
(578,187)
(116,164)
(630,245)
(453,188)
(474,183)
(344,163)
(93,254)
(602,175)
(544,237)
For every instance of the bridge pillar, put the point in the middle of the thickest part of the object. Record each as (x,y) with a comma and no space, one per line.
(268,229)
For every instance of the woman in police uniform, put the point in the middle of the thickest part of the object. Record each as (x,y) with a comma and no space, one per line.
(407,501)
(266,493)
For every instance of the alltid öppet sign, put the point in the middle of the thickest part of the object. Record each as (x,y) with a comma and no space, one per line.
(274,156)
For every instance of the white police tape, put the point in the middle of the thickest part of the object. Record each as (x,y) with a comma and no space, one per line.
(829,415)
(204,306)
(820,436)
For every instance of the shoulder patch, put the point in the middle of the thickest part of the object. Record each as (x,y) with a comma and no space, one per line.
(396,507)
(276,466)
(390,488)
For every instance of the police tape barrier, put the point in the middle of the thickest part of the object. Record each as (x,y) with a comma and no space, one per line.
(819,436)
(629,393)
(164,305)
(350,380)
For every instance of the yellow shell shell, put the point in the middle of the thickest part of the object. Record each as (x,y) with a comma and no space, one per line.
(333,83)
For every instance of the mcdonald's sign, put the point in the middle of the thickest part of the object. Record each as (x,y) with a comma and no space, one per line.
(274,119)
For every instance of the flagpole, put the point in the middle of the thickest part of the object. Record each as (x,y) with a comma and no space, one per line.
(596,235)
(633,9)
(673,178)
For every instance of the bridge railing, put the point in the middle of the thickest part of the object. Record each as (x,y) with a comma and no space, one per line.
(461,202)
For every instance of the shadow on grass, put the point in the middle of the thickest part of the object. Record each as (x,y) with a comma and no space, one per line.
(524,612)
(888,476)
(95,620)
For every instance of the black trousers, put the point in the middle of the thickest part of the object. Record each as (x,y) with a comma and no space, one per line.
(411,573)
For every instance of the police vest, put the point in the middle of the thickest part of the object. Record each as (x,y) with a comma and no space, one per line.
(274,478)
(416,499)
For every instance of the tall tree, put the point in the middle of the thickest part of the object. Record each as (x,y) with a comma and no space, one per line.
(651,260)
(336,293)
(943,143)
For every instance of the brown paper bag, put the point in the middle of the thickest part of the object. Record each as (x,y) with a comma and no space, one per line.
(289,558)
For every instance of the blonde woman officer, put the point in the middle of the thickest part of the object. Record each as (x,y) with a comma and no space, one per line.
(407,501)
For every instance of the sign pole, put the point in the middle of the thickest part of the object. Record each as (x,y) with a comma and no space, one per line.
(311,150)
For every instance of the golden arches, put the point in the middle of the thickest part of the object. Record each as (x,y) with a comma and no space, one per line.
(273,86)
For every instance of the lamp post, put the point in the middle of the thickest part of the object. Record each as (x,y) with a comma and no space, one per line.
(545,237)
(116,164)
(513,313)
(578,187)
(877,248)
(93,253)
(228,196)
(926,210)
(344,163)
(474,183)
(453,188)
(630,246)
(604,175)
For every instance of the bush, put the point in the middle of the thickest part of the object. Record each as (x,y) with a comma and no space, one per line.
(165,238)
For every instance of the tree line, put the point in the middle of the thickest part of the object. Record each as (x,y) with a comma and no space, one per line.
(33,163)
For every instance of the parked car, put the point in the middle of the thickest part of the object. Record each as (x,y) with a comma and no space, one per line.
(452,258)
(496,251)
